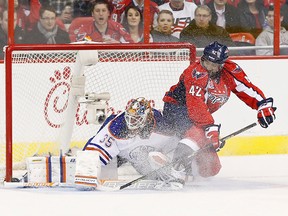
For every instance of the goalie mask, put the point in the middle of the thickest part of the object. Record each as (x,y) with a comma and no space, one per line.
(137,112)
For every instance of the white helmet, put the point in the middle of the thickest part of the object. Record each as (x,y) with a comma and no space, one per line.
(136,113)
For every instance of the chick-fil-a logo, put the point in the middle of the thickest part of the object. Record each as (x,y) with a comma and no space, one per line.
(53,103)
(56,101)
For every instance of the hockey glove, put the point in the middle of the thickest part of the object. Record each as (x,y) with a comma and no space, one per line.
(212,133)
(266,112)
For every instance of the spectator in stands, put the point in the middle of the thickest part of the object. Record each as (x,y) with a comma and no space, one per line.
(163,31)
(234,3)
(18,32)
(202,32)
(66,16)
(205,2)
(119,8)
(82,8)
(201,2)
(284,9)
(252,16)
(183,13)
(133,23)
(266,37)
(268,3)
(103,29)
(46,31)
(160,2)
(225,15)
(3,5)
(57,4)
(28,14)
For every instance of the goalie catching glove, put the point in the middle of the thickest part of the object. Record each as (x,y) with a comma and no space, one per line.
(212,133)
(266,112)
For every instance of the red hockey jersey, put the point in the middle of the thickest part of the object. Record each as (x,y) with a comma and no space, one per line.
(203,96)
(114,30)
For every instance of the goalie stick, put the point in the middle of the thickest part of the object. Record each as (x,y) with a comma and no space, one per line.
(34,184)
(105,186)
(13,185)
(190,156)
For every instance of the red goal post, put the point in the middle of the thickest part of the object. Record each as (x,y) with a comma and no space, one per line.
(38,84)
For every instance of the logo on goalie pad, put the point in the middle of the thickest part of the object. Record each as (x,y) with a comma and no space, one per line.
(85,180)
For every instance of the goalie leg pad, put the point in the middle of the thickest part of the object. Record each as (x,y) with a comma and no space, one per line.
(56,169)
(88,168)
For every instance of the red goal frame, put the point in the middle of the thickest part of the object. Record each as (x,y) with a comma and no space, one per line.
(9,82)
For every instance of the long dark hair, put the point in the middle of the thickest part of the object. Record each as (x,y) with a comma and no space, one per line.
(125,21)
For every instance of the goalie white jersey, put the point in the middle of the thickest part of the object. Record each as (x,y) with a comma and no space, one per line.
(115,139)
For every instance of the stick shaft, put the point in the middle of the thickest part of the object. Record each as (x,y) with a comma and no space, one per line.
(238,132)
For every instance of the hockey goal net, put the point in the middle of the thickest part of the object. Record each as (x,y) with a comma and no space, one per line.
(36,118)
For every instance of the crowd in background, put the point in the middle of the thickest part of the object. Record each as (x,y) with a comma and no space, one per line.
(231,22)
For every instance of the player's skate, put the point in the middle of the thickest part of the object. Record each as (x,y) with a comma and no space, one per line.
(169,178)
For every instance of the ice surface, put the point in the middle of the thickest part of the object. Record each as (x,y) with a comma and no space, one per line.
(246,186)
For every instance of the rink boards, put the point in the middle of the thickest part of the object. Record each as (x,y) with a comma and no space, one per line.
(235,114)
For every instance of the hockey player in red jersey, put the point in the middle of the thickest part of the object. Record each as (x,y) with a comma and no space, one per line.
(203,88)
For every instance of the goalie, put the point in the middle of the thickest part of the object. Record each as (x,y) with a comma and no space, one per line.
(130,135)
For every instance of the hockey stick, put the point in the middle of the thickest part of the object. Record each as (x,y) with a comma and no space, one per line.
(189,157)
(13,185)
(34,184)
(238,132)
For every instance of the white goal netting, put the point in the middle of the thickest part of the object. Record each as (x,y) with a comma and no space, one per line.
(41,83)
